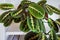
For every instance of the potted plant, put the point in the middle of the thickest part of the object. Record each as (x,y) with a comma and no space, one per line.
(30,15)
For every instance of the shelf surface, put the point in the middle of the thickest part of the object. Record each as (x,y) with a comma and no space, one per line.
(15,33)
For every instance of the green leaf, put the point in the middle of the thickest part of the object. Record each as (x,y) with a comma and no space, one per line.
(4,16)
(39,25)
(52,35)
(36,10)
(8,21)
(42,27)
(31,36)
(53,25)
(43,37)
(21,18)
(17,20)
(17,13)
(42,2)
(30,23)
(58,36)
(25,4)
(48,9)
(19,6)
(36,25)
(58,22)
(24,27)
(6,6)
(53,9)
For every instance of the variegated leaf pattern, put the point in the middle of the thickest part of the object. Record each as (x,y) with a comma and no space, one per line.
(53,25)
(24,27)
(35,25)
(19,6)
(53,9)
(58,22)
(6,6)
(48,9)
(58,36)
(17,20)
(36,10)
(42,27)
(52,35)
(43,37)
(17,13)
(8,21)
(4,16)
(22,17)
(39,25)
(31,36)
(42,2)
(30,23)
(25,4)
(30,15)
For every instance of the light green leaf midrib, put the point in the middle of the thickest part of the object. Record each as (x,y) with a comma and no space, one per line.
(35,9)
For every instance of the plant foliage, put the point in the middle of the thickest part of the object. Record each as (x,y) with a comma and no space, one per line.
(30,15)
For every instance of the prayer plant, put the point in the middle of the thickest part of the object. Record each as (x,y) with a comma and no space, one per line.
(31,17)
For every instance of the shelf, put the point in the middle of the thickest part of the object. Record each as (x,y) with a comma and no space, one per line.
(15,33)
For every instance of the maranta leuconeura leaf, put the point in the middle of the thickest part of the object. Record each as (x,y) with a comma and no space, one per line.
(17,13)
(42,2)
(42,27)
(43,37)
(52,35)
(25,4)
(6,6)
(4,16)
(17,20)
(48,9)
(53,9)
(36,10)
(39,25)
(35,25)
(24,27)
(52,24)
(8,21)
(31,36)
(58,36)
(22,17)
(30,23)
(58,22)
(19,6)
(35,36)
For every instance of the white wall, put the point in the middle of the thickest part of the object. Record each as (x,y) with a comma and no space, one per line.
(2,28)
(2,32)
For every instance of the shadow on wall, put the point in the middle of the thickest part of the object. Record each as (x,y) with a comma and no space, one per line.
(15,37)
